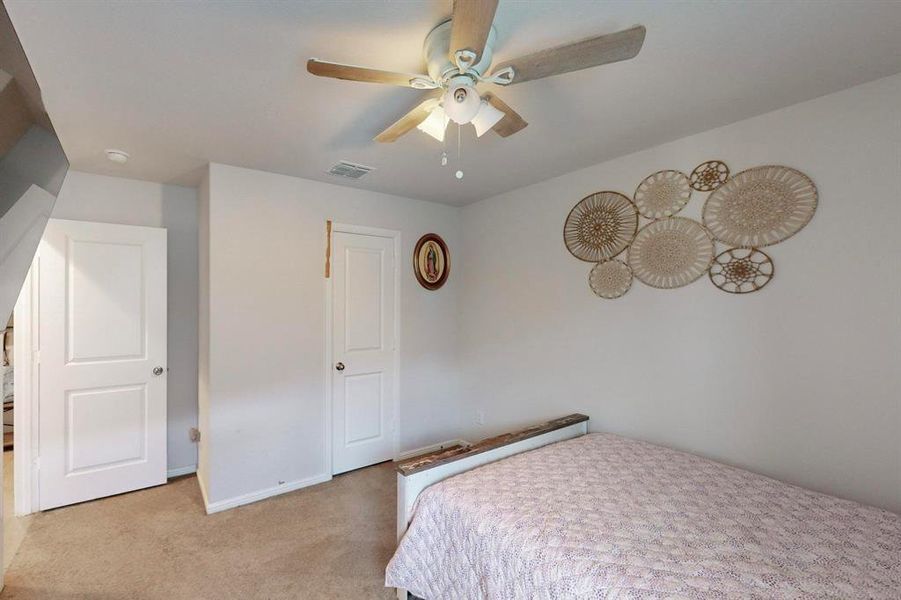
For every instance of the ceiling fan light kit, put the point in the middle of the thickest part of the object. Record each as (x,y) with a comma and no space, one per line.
(458,55)
(461,101)
(486,118)
(435,124)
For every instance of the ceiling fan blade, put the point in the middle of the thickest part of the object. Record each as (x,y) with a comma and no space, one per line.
(352,73)
(409,120)
(592,52)
(470,25)
(509,124)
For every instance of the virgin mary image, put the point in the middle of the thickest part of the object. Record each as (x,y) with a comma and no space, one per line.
(431,264)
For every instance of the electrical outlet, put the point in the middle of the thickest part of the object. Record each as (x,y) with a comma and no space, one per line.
(480,416)
(194,434)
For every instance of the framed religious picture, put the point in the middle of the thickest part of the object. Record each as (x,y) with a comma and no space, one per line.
(431,261)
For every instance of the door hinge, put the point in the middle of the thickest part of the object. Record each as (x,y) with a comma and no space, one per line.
(37,357)
(37,464)
(194,434)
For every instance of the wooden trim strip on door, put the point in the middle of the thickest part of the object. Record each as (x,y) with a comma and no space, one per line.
(328,249)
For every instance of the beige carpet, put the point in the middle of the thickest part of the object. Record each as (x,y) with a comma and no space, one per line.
(328,541)
(14,528)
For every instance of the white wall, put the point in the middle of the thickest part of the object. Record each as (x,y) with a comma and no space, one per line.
(800,381)
(87,197)
(267,327)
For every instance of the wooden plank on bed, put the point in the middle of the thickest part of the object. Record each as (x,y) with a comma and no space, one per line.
(430,461)
(419,476)
(416,474)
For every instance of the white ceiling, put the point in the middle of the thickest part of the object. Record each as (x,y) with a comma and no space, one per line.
(178,85)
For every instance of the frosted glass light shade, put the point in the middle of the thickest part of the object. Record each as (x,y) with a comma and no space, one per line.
(461,102)
(435,124)
(486,118)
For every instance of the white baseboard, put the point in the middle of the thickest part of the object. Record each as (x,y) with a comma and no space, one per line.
(290,486)
(432,448)
(181,471)
(206,501)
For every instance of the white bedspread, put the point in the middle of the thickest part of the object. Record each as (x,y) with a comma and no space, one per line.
(603,516)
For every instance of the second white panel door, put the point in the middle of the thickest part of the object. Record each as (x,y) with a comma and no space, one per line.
(364,350)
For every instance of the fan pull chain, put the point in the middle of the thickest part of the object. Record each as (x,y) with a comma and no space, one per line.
(459,172)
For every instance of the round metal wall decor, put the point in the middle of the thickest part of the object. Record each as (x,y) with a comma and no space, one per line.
(610,278)
(600,226)
(670,253)
(761,206)
(709,176)
(431,261)
(741,270)
(662,194)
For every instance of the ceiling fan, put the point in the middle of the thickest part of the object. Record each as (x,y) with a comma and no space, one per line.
(458,55)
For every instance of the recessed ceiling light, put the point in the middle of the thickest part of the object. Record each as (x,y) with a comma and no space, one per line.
(119,157)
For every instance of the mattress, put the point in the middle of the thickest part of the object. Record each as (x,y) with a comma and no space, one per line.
(602,516)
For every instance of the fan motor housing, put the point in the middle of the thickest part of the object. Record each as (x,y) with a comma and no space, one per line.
(437,53)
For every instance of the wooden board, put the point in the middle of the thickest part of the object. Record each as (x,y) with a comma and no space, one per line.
(354,73)
(429,461)
(408,121)
(511,123)
(472,21)
(584,54)
(416,474)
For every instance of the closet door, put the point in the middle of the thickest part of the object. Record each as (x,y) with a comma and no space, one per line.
(102,390)
(364,350)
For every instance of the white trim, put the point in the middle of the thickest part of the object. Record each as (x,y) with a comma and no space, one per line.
(291,486)
(206,501)
(21,421)
(329,322)
(26,498)
(186,470)
(364,230)
(432,448)
(327,399)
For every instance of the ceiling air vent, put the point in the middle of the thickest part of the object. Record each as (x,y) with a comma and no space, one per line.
(349,170)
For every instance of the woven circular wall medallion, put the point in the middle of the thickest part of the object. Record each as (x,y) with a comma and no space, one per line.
(761,206)
(670,253)
(741,270)
(610,278)
(709,176)
(600,226)
(662,194)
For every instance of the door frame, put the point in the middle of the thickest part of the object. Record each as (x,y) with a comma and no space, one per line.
(26,370)
(329,323)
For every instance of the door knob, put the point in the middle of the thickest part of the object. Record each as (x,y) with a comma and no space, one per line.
(157,371)
(339,366)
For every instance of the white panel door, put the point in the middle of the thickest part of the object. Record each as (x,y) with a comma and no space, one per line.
(102,360)
(364,350)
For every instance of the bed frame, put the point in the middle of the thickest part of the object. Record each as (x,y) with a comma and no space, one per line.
(416,474)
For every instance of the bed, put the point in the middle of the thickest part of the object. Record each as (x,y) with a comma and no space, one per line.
(567,515)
